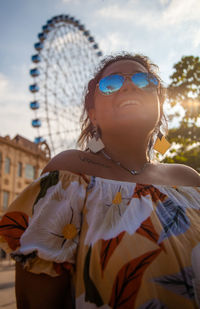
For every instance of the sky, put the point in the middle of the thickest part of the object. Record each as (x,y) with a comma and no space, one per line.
(164,30)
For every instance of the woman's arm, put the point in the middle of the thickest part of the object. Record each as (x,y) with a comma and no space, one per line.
(42,291)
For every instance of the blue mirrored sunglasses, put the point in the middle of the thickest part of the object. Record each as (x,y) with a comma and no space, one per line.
(112,83)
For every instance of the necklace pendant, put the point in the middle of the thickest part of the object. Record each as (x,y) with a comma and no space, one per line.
(133,172)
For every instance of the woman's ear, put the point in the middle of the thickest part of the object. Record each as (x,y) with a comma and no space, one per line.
(92,116)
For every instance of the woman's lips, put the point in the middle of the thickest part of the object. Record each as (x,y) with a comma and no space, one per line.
(129,103)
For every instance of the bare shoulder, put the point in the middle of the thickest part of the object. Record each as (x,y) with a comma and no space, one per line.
(181,174)
(65,160)
(76,161)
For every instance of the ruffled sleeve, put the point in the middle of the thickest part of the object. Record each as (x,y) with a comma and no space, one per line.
(42,226)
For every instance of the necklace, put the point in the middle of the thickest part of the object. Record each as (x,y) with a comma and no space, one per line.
(132,171)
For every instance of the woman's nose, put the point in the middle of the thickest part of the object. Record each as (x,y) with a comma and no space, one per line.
(128,84)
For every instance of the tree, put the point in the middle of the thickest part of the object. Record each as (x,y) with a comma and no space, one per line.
(185,90)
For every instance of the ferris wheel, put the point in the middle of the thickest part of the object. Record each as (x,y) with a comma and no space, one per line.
(65,60)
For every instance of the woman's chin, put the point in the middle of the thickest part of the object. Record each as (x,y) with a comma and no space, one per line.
(133,127)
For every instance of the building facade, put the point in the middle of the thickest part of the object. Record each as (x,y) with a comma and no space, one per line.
(21,161)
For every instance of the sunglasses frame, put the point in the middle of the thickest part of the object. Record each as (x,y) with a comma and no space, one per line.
(128,76)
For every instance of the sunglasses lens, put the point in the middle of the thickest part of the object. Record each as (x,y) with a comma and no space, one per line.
(110,84)
(144,80)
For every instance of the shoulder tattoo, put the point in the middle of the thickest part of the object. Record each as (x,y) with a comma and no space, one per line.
(84,159)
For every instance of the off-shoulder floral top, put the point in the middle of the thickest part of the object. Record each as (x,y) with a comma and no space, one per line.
(127,245)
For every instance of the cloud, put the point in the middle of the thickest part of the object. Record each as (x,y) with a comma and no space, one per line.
(181,11)
(172,12)
(196,37)
(114,41)
(16,121)
(165,2)
(71,1)
(15,113)
(163,21)
(10,92)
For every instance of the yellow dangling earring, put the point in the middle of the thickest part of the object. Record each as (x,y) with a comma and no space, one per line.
(161,145)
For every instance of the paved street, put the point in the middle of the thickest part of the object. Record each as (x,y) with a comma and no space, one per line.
(7,288)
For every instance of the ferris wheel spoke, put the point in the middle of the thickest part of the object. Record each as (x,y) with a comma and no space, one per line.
(61,101)
(75,33)
(63,122)
(63,112)
(67,117)
(63,107)
(66,131)
(69,65)
(63,118)
(65,75)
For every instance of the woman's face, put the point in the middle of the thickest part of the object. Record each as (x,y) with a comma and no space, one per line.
(111,115)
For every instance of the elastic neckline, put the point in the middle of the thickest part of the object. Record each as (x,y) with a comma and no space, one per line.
(101,179)
(107,180)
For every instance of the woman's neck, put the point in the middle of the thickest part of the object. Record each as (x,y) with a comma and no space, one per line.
(131,153)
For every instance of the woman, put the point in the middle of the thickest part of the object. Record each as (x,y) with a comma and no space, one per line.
(109,227)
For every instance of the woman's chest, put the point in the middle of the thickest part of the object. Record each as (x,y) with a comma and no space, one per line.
(138,239)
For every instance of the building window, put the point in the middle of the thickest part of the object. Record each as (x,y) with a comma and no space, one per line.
(19,169)
(5,200)
(29,171)
(6,181)
(7,165)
